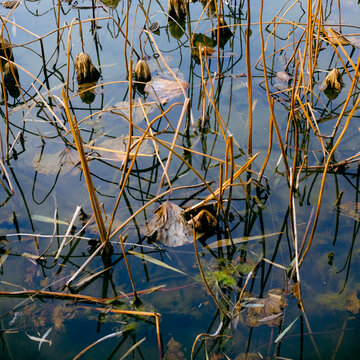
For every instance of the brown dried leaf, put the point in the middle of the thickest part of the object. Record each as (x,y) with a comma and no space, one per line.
(142,71)
(268,311)
(86,72)
(170,226)
(332,84)
(10,4)
(335,37)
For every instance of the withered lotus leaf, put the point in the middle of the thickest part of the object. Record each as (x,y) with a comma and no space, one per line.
(86,72)
(268,311)
(170,226)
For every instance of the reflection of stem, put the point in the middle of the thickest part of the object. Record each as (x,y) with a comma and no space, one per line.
(203,275)
(136,298)
(340,339)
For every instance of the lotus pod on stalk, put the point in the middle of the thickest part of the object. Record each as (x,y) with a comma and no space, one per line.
(142,71)
(86,72)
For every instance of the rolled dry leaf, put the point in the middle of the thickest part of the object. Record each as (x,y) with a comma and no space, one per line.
(86,72)
(142,71)
(333,81)
(332,84)
(177,8)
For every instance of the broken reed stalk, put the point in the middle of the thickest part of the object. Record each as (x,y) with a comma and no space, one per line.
(330,158)
(85,168)
(136,298)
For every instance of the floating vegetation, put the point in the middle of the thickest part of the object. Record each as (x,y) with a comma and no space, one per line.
(245,149)
(86,72)
(332,84)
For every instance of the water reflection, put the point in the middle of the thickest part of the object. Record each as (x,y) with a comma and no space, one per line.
(247,267)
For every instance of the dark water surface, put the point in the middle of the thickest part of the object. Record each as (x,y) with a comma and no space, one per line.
(43,170)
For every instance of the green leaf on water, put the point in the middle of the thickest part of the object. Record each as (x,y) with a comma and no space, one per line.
(155,261)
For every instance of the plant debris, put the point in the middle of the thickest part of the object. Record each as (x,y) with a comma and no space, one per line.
(332,84)
(86,72)
(163,88)
(170,226)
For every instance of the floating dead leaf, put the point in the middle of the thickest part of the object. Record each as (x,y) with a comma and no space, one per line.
(332,84)
(353,302)
(267,310)
(10,4)
(86,72)
(204,222)
(115,149)
(165,88)
(337,38)
(351,210)
(142,71)
(173,351)
(137,110)
(50,164)
(284,76)
(169,226)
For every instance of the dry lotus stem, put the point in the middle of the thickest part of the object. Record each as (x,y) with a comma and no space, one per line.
(86,72)
(333,81)
(142,71)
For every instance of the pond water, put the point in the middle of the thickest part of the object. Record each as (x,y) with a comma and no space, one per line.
(239,293)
